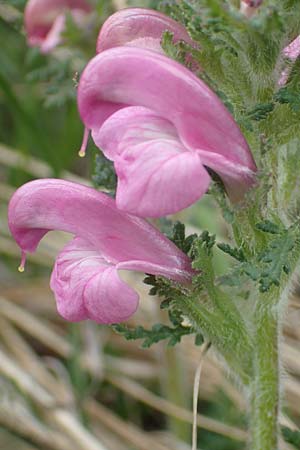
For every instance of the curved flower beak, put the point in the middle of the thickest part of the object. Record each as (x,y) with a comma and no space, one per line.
(45,20)
(119,78)
(106,240)
(139,27)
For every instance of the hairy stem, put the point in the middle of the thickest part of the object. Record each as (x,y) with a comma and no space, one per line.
(266,382)
(230,340)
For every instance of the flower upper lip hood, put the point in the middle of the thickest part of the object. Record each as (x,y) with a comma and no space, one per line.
(194,117)
(85,279)
(45,20)
(139,27)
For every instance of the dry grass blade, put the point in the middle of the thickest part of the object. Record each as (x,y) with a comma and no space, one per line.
(31,363)
(34,327)
(119,4)
(17,418)
(39,329)
(11,158)
(144,395)
(203,352)
(63,419)
(70,426)
(24,381)
(126,431)
(6,191)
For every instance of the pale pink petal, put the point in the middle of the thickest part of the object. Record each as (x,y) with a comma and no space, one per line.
(147,42)
(44,205)
(159,177)
(134,76)
(108,299)
(87,287)
(173,273)
(130,126)
(292,51)
(141,28)
(249,7)
(53,38)
(156,174)
(75,265)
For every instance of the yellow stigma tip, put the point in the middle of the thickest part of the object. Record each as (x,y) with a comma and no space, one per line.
(81,153)
(21,269)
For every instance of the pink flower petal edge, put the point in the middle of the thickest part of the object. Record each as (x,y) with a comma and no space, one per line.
(139,27)
(45,20)
(85,278)
(291,51)
(119,81)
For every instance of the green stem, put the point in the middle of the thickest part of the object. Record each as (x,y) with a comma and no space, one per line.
(230,340)
(266,383)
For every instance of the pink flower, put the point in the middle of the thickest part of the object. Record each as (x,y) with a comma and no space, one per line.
(85,278)
(139,27)
(292,52)
(162,127)
(249,7)
(45,20)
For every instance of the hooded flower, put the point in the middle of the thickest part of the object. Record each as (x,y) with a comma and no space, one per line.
(45,20)
(162,127)
(85,277)
(139,27)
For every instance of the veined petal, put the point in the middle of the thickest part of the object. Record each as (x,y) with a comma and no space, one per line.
(130,126)
(139,27)
(134,76)
(44,205)
(87,287)
(159,177)
(109,299)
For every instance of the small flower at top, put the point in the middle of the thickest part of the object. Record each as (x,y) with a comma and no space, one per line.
(45,20)
(292,52)
(140,27)
(249,7)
